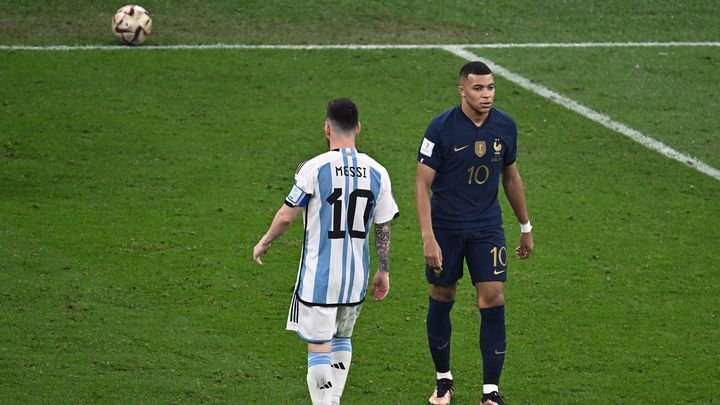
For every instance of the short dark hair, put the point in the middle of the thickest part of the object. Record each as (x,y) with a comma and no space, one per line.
(342,114)
(474,68)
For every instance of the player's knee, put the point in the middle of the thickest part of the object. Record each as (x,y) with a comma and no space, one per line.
(490,297)
(319,347)
(490,294)
(491,300)
(442,294)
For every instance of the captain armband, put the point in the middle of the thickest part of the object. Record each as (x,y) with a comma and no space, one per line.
(297,197)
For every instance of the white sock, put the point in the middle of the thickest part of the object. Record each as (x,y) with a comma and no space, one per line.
(488,388)
(319,378)
(447,375)
(341,357)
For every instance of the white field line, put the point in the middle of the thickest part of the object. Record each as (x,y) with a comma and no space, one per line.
(370,47)
(603,119)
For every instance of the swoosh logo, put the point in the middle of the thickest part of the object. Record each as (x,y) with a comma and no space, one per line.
(499,353)
(443,346)
(495,272)
(456,149)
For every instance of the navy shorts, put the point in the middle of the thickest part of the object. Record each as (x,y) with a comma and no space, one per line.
(484,252)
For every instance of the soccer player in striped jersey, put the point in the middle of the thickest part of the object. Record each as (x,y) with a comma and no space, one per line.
(466,153)
(341,193)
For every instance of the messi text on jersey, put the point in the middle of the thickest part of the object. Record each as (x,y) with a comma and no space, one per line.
(351,171)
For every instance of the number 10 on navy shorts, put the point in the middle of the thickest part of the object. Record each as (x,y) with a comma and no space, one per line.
(485,254)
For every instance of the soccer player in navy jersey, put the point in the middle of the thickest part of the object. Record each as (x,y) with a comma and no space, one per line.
(465,154)
(340,193)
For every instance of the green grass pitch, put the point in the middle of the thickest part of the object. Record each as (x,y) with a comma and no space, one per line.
(134,184)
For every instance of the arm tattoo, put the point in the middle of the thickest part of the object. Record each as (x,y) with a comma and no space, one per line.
(382,245)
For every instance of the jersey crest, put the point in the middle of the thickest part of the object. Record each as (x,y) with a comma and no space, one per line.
(480,148)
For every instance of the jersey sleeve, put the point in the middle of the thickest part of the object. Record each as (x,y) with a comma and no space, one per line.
(303,187)
(511,150)
(429,152)
(387,208)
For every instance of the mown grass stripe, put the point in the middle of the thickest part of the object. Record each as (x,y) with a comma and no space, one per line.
(460,50)
(361,46)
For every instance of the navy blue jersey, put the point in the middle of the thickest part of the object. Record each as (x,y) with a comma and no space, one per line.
(468,161)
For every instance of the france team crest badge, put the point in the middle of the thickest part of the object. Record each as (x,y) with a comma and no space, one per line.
(498,147)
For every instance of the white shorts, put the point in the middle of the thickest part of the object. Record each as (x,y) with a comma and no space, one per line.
(318,324)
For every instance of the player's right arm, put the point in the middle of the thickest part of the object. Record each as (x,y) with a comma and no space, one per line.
(423,180)
(282,221)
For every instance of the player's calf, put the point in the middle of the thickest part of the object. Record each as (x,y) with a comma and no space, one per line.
(319,378)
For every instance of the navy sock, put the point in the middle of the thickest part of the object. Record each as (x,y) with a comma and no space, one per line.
(439,330)
(492,343)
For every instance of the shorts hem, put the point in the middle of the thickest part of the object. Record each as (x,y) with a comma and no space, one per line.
(443,284)
(487,281)
(312,304)
(319,341)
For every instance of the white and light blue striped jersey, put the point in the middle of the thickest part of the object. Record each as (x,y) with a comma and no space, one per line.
(342,193)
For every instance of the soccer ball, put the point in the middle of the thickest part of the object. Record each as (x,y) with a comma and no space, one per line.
(132,24)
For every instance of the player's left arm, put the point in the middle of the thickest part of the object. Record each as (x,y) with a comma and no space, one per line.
(381,281)
(513,187)
(282,221)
